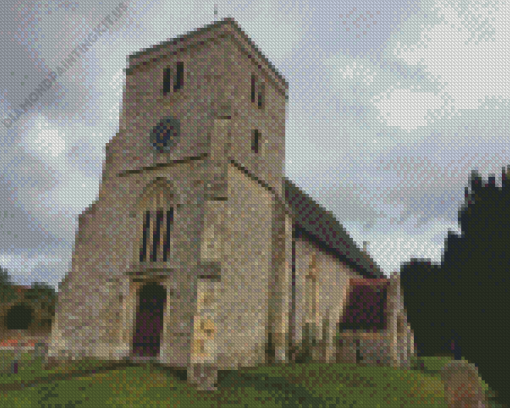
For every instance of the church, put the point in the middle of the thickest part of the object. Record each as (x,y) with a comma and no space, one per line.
(198,252)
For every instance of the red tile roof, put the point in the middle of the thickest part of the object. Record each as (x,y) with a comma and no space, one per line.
(366,305)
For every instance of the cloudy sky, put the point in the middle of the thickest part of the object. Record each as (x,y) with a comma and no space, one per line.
(391,105)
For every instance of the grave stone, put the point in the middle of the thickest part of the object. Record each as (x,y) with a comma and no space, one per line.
(462,385)
(18,350)
(204,376)
(346,352)
(40,350)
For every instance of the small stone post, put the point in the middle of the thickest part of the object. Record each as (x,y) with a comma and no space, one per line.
(204,376)
(40,350)
(346,350)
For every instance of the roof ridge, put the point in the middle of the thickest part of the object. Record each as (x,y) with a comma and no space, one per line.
(336,237)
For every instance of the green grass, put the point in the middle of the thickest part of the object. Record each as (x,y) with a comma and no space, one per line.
(303,385)
(434,364)
(30,369)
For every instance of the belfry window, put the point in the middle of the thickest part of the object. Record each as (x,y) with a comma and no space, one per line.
(178,80)
(253,87)
(260,102)
(257,91)
(179,76)
(255,141)
(167,76)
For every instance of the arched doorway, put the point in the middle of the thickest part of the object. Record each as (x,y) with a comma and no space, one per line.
(19,317)
(149,320)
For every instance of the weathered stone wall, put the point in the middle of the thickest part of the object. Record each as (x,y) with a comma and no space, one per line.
(243,305)
(96,296)
(364,348)
(97,302)
(279,285)
(144,105)
(375,351)
(332,284)
(392,347)
(217,72)
(268,163)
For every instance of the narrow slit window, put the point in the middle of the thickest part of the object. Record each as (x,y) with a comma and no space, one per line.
(157,233)
(261,95)
(143,249)
(314,298)
(255,141)
(167,75)
(169,223)
(253,85)
(179,76)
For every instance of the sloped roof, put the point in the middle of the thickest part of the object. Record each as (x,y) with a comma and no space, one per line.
(321,224)
(367,302)
(197,32)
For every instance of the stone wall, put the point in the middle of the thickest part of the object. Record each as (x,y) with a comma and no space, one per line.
(371,350)
(393,346)
(96,295)
(331,276)
(39,327)
(246,254)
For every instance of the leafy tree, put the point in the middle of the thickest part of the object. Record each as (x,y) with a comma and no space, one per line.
(7,291)
(42,296)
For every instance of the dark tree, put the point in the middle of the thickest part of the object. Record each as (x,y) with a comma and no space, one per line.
(424,303)
(480,292)
(472,285)
(19,317)
(452,268)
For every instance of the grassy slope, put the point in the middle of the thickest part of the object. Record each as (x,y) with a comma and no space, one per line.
(304,385)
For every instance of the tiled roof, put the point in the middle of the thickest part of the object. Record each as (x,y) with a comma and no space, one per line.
(321,224)
(366,305)
(21,288)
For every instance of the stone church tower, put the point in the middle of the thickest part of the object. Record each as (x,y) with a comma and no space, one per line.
(198,253)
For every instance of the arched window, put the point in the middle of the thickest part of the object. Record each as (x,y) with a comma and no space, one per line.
(157,209)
